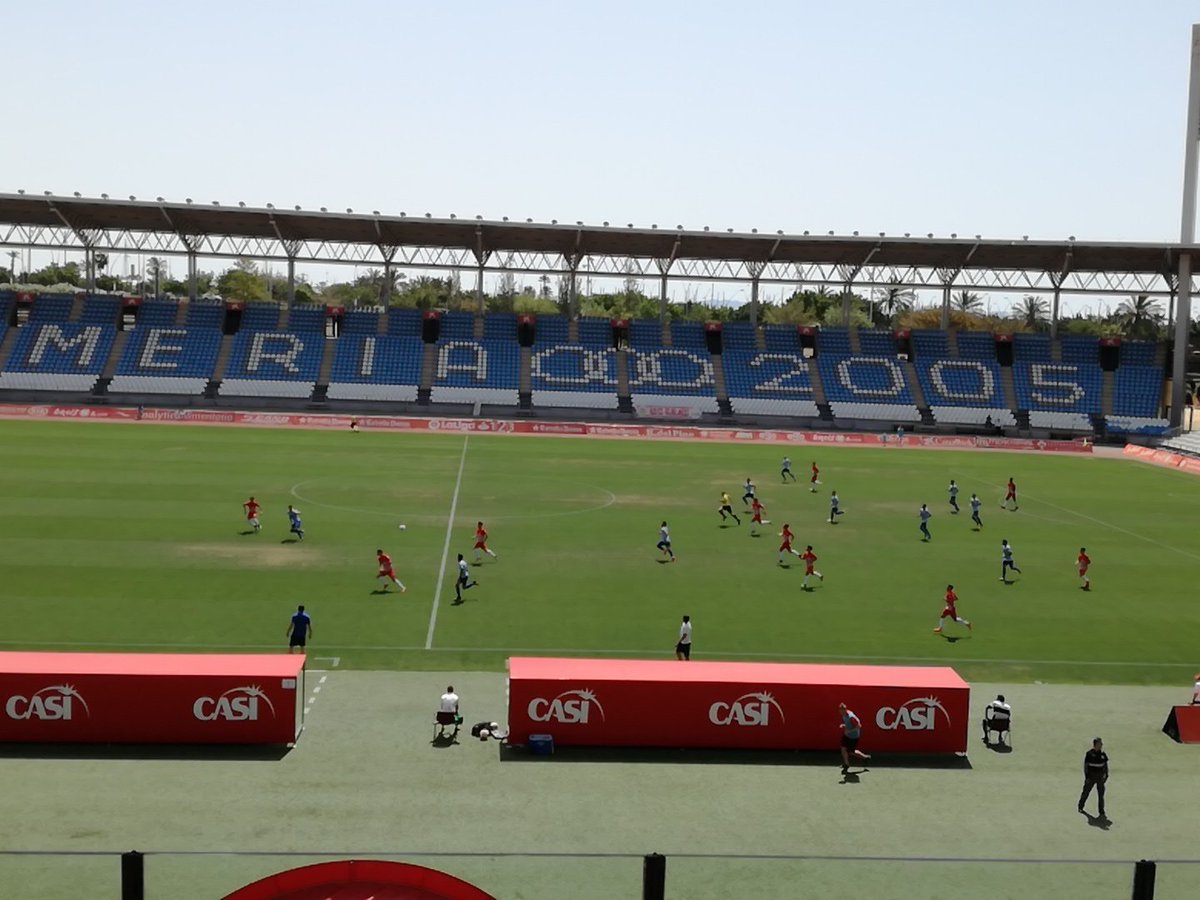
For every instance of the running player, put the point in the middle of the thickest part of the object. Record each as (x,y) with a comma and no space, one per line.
(386,573)
(810,560)
(785,470)
(835,509)
(464,581)
(297,527)
(952,490)
(748,494)
(924,513)
(950,611)
(481,537)
(1011,494)
(1083,561)
(814,480)
(976,505)
(756,519)
(785,544)
(252,507)
(1006,561)
(664,541)
(726,509)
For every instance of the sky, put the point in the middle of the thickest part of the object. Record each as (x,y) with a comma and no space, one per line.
(1045,119)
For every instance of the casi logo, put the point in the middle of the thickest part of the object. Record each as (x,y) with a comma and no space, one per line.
(239,704)
(748,709)
(918,714)
(568,708)
(51,704)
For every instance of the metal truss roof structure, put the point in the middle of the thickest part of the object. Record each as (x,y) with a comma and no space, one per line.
(90,226)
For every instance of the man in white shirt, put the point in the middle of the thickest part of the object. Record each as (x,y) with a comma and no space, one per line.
(448,712)
(1196,691)
(996,717)
(683,649)
(449,701)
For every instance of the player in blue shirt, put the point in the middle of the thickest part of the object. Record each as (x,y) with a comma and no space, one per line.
(297,527)
(299,631)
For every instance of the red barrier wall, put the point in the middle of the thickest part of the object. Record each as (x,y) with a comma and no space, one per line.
(664,703)
(1166,458)
(151,698)
(508,426)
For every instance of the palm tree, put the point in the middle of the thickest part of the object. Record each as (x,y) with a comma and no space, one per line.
(1032,311)
(1140,316)
(967,302)
(892,300)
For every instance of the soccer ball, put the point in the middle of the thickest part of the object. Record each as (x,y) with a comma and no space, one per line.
(403,526)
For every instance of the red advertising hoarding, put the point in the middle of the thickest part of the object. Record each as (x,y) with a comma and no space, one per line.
(151,698)
(767,706)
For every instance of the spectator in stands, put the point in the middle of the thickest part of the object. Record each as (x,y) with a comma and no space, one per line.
(683,647)
(299,630)
(996,717)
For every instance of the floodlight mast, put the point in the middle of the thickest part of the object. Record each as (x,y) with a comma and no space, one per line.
(1187,236)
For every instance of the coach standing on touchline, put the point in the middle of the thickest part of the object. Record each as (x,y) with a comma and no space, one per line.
(1095,774)
(683,649)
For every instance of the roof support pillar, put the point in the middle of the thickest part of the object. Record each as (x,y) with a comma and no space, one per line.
(664,269)
(291,287)
(755,268)
(946,286)
(1054,310)
(193,290)
(573,285)
(481,258)
(1187,234)
(89,266)
(847,293)
(388,252)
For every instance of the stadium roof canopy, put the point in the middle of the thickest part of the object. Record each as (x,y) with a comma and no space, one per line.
(91,226)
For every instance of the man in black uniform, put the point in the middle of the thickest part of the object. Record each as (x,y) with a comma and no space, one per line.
(1095,774)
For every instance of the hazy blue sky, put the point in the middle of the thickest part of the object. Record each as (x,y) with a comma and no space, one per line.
(1046,119)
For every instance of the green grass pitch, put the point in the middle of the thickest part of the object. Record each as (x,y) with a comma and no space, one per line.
(129,537)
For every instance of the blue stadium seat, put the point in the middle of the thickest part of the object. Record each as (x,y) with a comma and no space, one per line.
(470,371)
(206,314)
(404,322)
(160,313)
(738,336)
(260,317)
(781,338)
(51,308)
(769,383)
(100,310)
(501,326)
(1139,353)
(273,364)
(361,321)
(1137,391)
(672,377)
(1058,387)
(164,359)
(1029,347)
(1080,348)
(975,345)
(867,387)
(595,332)
(308,317)
(645,334)
(58,356)
(457,326)
(688,336)
(933,344)
(551,330)
(370,367)
(833,341)
(572,375)
(877,343)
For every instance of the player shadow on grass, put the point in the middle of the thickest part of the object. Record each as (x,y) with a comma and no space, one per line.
(663,562)
(1102,822)
(735,757)
(852,777)
(444,741)
(954,638)
(247,531)
(289,541)
(997,746)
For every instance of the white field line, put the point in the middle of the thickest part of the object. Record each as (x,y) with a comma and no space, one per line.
(437,594)
(645,654)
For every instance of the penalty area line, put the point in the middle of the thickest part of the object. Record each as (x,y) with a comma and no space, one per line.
(437,595)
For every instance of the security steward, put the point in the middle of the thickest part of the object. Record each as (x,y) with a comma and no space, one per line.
(1095,774)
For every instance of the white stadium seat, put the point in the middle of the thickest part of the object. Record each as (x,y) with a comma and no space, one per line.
(262,387)
(392,392)
(973,415)
(1062,421)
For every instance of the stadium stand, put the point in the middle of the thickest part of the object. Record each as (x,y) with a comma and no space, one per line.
(1138,353)
(963,391)
(1137,394)
(167,360)
(308,317)
(1060,421)
(935,345)
(361,321)
(834,341)
(1063,395)
(595,332)
(1080,348)
(370,367)
(260,317)
(688,336)
(100,310)
(156,313)
(669,377)
(403,322)
(456,326)
(867,387)
(58,356)
(781,338)
(877,343)
(971,345)
(1031,347)
(769,383)
(549,330)
(738,336)
(51,308)
(1188,442)
(570,375)
(470,371)
(273,364)
(1152,427)
(206,314)
(645,334)
(500,326)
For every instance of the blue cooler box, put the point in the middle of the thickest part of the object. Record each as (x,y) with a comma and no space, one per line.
(541,744)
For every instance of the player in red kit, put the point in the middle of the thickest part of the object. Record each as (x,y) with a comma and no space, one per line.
(1083,561)
(386,573)
(810,560)
(785,545)
(252,507)
(1011,494)
(481,537)
(756,517)
(950,611)
(813,482)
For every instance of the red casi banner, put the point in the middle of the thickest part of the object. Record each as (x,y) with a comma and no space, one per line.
(767,706)
(151,698)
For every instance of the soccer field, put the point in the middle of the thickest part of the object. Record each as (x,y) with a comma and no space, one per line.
(131,536)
